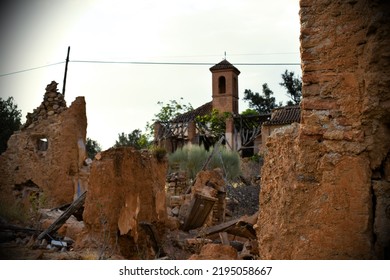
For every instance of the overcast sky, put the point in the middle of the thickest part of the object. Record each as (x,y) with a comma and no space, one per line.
(123,97)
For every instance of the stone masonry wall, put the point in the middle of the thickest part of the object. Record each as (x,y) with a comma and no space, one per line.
(45,157)
(325,183)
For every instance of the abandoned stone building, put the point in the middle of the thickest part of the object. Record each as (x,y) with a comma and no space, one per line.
(45,158)
(241,133)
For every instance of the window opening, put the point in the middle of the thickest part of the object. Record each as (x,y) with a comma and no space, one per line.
(42,144)
(222,84)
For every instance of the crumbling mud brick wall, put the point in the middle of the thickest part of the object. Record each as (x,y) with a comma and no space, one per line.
(126,188)
(325,183)
(44,158)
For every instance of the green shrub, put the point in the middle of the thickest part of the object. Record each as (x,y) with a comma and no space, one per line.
(159,153)
(229,161)
(191,159)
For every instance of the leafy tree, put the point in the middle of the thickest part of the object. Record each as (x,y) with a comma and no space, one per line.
(215,121)
(10,118)
(134,139)
(171,110)
(264,103)
(93,147)
(293,86)
(167,113)
(249,112)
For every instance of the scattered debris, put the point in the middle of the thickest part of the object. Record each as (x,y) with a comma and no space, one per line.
(58,243)
(74,207)
(203,214)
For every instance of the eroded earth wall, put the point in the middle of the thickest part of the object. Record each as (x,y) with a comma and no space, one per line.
(325,183)
(43,160)
(126,190)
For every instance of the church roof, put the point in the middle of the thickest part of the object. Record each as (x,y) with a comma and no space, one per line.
(285,115)
(224,65)
(205,109)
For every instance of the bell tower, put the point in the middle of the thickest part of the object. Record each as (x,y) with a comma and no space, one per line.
(225,87)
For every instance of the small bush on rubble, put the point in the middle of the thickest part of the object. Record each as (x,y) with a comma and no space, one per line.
(159,153)
(191,159)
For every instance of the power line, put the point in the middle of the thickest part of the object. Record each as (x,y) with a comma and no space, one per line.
(229,54)
(182,63)
(141,62)
(154,63)
(31,69)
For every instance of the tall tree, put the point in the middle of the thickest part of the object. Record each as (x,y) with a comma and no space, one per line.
(92,147)
(215,121)
(134,139)
(167,112)
(10,118)
(171,110)
(262,103)
(293,86)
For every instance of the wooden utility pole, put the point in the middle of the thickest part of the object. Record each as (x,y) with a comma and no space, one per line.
(66,71)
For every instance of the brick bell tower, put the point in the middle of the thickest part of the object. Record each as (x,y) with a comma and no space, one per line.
(225,87)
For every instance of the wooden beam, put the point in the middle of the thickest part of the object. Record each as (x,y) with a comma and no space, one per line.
(215,229)
(224,238)
(13,228)
(236,227)
(76,205)
(198,211)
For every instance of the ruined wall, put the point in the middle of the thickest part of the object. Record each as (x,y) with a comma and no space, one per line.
(126,187)
(325,185)
(44,158)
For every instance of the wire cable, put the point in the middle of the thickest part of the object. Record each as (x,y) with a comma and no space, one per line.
(182,63)
(153,63)
(31,69)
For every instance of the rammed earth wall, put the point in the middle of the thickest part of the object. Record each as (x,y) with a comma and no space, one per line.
(46,156)
(325,183)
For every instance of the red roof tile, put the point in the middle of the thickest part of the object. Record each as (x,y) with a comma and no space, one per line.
(285,115)
(223,65)
(191,115)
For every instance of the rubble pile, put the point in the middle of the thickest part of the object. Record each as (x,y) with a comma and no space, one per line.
(208,186)
(24,243)
(203,223)
(177,183)
(53,104)
(242,199)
